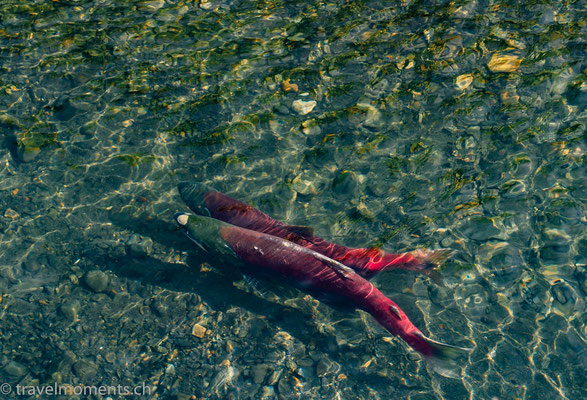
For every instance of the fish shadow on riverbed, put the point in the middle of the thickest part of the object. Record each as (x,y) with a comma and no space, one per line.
(215,286)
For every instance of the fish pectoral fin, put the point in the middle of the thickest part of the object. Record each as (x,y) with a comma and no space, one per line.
(342,270)
(231,251)
(196,242)
(304,231)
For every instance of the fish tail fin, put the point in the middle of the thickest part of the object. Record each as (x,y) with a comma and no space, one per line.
(442,358)
(193,195)
(419,260)
(425,260)
(368,262)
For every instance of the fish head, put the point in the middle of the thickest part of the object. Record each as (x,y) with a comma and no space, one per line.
(204,232)
(190,227)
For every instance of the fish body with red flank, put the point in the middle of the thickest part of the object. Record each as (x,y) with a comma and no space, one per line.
(267,256)
(366,261)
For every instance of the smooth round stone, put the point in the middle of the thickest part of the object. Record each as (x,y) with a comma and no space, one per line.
(32,265)
(84,369)
(7,273)
(480,228)
(502,276)
(267,392)
(28,153)
(464,81)
(305,362)
(139,247)
(15,369)
(70,309)
(438,295)
(325,366)
(563,294)
(151,5)
(259,372)
(345,182)
(513,188)
(555,253)
(566,299)
(504,63)
(110,357)
(96,280)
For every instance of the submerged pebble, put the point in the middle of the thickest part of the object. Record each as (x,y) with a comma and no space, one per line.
(259,372)
(287,86)
(199,331)
(464,81)
(345,182)
(152,5)
(438,295)
(96,280)
(70,309)
(481,228)
(267,393)
(139,246)
(226,373)
(274,377)
(32,265)
(15,369)
(304,107)
(110,357)
(84,369)
(504,63)
(473,125)
(10,213)
(28,153)
(326,366)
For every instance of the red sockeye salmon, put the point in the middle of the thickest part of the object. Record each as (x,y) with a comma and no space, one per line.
(365,261)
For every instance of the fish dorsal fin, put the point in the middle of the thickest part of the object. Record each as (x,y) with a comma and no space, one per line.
(341,269)
(304,231)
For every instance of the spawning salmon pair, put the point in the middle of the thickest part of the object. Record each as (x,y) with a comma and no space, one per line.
(262,247)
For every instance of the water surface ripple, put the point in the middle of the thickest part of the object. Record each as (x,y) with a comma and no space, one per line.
(417,124)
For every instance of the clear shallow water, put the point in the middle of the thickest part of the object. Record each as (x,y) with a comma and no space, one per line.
(436,124)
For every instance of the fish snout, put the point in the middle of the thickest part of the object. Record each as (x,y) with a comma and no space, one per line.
(181,218)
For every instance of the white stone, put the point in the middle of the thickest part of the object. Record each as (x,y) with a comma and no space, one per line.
(304,107)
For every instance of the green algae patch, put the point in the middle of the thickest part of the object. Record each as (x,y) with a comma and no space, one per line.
(134,160)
